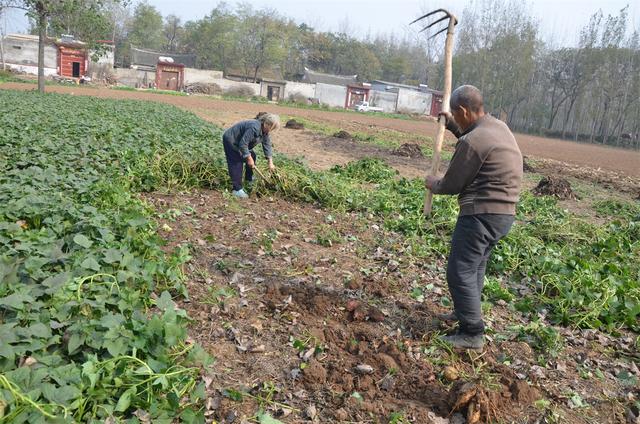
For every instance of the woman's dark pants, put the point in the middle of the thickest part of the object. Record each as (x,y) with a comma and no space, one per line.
(235,163)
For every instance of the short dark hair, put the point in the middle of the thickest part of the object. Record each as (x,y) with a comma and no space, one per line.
(468,97)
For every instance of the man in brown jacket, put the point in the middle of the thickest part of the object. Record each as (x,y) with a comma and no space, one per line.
(486,174)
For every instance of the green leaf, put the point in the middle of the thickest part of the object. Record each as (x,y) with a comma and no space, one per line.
(40,330)
(55,282)
(125,399)
(189,416)
(89,371)
(7,351)
(75,341)
(112,256)
(165,302)
(233,394)
(264,418)
(90,263)
(82,240)
(357,396)
(112,321)
(16,301)
(116,347)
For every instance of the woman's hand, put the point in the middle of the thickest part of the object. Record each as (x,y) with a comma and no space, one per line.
(250,162)
(272,167)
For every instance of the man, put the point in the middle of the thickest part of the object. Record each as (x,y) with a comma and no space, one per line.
(486,174)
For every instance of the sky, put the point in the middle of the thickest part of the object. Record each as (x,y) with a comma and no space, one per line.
(560,20)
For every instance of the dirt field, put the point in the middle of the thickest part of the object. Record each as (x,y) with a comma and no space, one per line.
(330,329)
(620,162)
(313,309)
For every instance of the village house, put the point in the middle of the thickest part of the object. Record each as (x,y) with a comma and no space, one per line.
(410,98)
(65,57)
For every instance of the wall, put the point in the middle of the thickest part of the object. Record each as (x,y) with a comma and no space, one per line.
(387,100)
(264,89)
(331,95)
(103,68)
(410,101)
(192,75)
(227,85)
(25,58)
(299,88)
(134,77)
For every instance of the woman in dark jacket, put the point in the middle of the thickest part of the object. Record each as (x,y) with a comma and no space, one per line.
(239,141)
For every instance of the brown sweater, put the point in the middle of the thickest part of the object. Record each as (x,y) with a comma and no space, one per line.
(486,169)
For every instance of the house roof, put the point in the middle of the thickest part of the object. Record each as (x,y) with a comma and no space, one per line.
(313,77)
(396,84)
(148,58)
(26,37)
(421,87)
(65,41)
(268,74)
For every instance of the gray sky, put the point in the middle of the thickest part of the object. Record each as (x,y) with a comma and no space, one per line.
(560,20)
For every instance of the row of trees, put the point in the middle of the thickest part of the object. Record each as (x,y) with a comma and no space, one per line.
(250,40)
(589,92)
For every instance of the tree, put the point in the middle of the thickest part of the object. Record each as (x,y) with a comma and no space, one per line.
(259,41)
(172,32)
(213,38)
(2,12)
(146,27)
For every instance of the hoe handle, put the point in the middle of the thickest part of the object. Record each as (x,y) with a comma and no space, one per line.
(437,148)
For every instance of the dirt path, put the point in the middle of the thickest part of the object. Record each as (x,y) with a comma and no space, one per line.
(625,162)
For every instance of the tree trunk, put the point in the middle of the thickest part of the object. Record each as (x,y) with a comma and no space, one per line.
(567,116)
(4,65)
(42,28)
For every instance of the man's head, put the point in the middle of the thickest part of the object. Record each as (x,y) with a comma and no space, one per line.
(466,105)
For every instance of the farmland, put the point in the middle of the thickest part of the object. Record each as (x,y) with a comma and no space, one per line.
(135,288)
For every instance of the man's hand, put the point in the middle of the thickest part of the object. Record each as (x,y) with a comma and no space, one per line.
(430,181)
(448,117)
(250,162)
(272,167)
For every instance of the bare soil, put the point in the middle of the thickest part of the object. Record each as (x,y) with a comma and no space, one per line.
(306,328)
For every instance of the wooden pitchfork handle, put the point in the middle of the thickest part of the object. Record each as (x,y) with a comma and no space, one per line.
(442,121)
(255,168)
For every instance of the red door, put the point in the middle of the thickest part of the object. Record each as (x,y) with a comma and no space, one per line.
(436,104)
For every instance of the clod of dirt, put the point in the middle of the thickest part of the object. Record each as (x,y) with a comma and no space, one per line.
(294,125)
(352,305)
(556,187)
(341,414)
(343,134)
(314,373)
(526,167)
(409,150)
(450,373)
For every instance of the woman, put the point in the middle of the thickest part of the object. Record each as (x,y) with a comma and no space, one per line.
(239,141)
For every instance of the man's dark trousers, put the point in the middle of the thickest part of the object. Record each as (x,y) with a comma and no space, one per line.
(235,164)
(473,239)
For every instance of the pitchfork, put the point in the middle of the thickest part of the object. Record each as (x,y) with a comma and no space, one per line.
(442,121)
